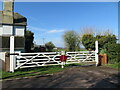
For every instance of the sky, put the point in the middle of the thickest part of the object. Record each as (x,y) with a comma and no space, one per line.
(49,20)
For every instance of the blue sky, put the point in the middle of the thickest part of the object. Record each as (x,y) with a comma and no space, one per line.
(50,20)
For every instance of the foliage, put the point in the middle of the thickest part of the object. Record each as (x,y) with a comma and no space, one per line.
(49,46)
(107,44)
(88,40)
(72,40)
(105,40)
(29,37)
(103,51)
(113,51)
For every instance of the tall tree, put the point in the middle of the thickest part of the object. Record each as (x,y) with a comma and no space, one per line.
(71,40)
(29,37)
(49,46)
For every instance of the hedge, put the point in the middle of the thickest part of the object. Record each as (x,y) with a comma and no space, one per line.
(113,51)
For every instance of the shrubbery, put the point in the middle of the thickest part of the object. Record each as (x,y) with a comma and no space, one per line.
(107,44)
(88,40)
(113,52)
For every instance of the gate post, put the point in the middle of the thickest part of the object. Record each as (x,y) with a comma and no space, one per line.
(12,56)
(96,53)
(62,59)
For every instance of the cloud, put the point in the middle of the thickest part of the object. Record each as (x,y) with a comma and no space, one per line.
(32,28)
(56,31)
(38,29)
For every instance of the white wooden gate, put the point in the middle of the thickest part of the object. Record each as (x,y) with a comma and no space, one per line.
(81,56)
(26,60)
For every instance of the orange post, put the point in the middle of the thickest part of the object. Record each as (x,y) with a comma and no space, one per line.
(103,59)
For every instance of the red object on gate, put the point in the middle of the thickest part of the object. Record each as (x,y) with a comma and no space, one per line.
(63,58)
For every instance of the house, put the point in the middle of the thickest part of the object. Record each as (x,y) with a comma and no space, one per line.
(12,24)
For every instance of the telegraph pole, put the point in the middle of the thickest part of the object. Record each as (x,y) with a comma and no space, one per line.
(43,41)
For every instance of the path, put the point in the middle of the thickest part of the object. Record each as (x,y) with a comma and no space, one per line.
(73,77)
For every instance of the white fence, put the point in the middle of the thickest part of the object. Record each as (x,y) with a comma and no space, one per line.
(25,60)
(37,59)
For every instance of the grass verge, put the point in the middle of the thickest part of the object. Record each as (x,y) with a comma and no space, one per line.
(116,65)
(34,71)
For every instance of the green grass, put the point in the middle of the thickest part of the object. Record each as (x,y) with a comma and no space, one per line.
(116,65)
(35,71)
(31,71)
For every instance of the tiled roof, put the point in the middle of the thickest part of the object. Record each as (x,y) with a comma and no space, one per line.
(7,18)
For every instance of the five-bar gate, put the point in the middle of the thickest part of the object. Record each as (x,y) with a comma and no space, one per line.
(26,60)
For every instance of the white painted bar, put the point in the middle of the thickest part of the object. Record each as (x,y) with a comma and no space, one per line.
(96,53)
(12,56)
(2,60)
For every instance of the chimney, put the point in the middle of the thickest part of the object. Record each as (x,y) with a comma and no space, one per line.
(9,5)
(8,11)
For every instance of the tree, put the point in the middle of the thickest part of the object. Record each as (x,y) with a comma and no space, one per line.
(49,46)
(104,40)
(88,40)
(87,30)
(29,37)
(72,40)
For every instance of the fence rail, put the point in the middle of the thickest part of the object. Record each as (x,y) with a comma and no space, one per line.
(25,60)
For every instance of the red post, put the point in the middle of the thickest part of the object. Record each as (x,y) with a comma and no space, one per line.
(63,58)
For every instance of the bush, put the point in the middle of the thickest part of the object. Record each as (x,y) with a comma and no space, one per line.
(103,51)
(88,40)
(113,51)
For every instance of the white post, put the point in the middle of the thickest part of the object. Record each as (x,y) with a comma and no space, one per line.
(62,53)
(11,51)
(62,65)
(96,53)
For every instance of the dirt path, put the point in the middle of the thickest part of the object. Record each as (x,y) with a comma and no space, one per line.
(73,77)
